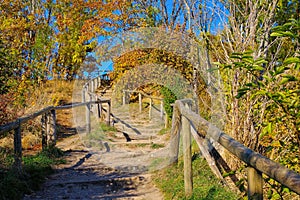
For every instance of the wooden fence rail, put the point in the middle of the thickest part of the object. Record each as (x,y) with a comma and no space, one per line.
(48,119)
(48,123)
(142,94)
(184,119)
(89,92)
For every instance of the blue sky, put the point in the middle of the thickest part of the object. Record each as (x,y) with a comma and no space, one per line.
(215,27)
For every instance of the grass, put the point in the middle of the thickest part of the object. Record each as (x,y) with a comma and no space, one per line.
(164,131)
(157,146)
(35,169)
(96,137)
(206,185)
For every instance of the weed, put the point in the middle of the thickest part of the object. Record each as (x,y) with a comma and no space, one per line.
(106,128)
(157,146)
(164,131)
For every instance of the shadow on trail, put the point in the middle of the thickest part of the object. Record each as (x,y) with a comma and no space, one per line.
(81,161)
(64,131)
(116,119)
(88,178)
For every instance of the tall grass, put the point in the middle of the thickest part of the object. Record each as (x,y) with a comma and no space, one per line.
(205,185)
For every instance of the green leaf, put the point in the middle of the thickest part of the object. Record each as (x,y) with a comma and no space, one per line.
(287,78)
(281,143)
(240,94)
(280,70)
(247,56)
(286,190)
(276,34)
(228,66)
(257,67)
(243,89)
(217,63)
(251,84)
(269,128)
(291,60)
(248,52)
(260,61)
(213,69)
(228,174)
(235,56)
(290,77)
(269,79)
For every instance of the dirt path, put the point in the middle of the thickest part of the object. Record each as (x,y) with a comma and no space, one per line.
(85,177)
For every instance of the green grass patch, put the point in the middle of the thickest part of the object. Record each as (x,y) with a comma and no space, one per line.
(97,136)
(164,131)
(139,145)
(105,128)
(35,169)
(157,146)
(206,186)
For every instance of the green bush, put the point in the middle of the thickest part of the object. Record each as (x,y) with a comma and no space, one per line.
(169,98)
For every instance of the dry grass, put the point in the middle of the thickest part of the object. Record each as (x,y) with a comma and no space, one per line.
(7,142)
(51,93)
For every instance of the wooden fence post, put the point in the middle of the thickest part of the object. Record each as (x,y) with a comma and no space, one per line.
(83,94)
(108,113)
(175,136)
(255,184)
(124,97)
(92,85)
(18,148)
(99,81)
(187,155)
(150,109)
(93,106)
(51,128)
(96,83)
(87,87)
(88,116)
(166,120)
(44,130)
(99,108)
(140,102)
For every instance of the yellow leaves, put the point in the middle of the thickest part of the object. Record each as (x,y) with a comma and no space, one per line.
(148,56)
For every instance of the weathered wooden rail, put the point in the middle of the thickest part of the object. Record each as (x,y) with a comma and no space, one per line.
(185,122)
(89,92)
(48,119)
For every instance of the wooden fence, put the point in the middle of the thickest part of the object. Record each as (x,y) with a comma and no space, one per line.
(89,92)
(142,94)
(185,122)
(48,119)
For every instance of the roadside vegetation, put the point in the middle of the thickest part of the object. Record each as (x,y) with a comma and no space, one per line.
(37,163)
(36,168)
(205,185)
